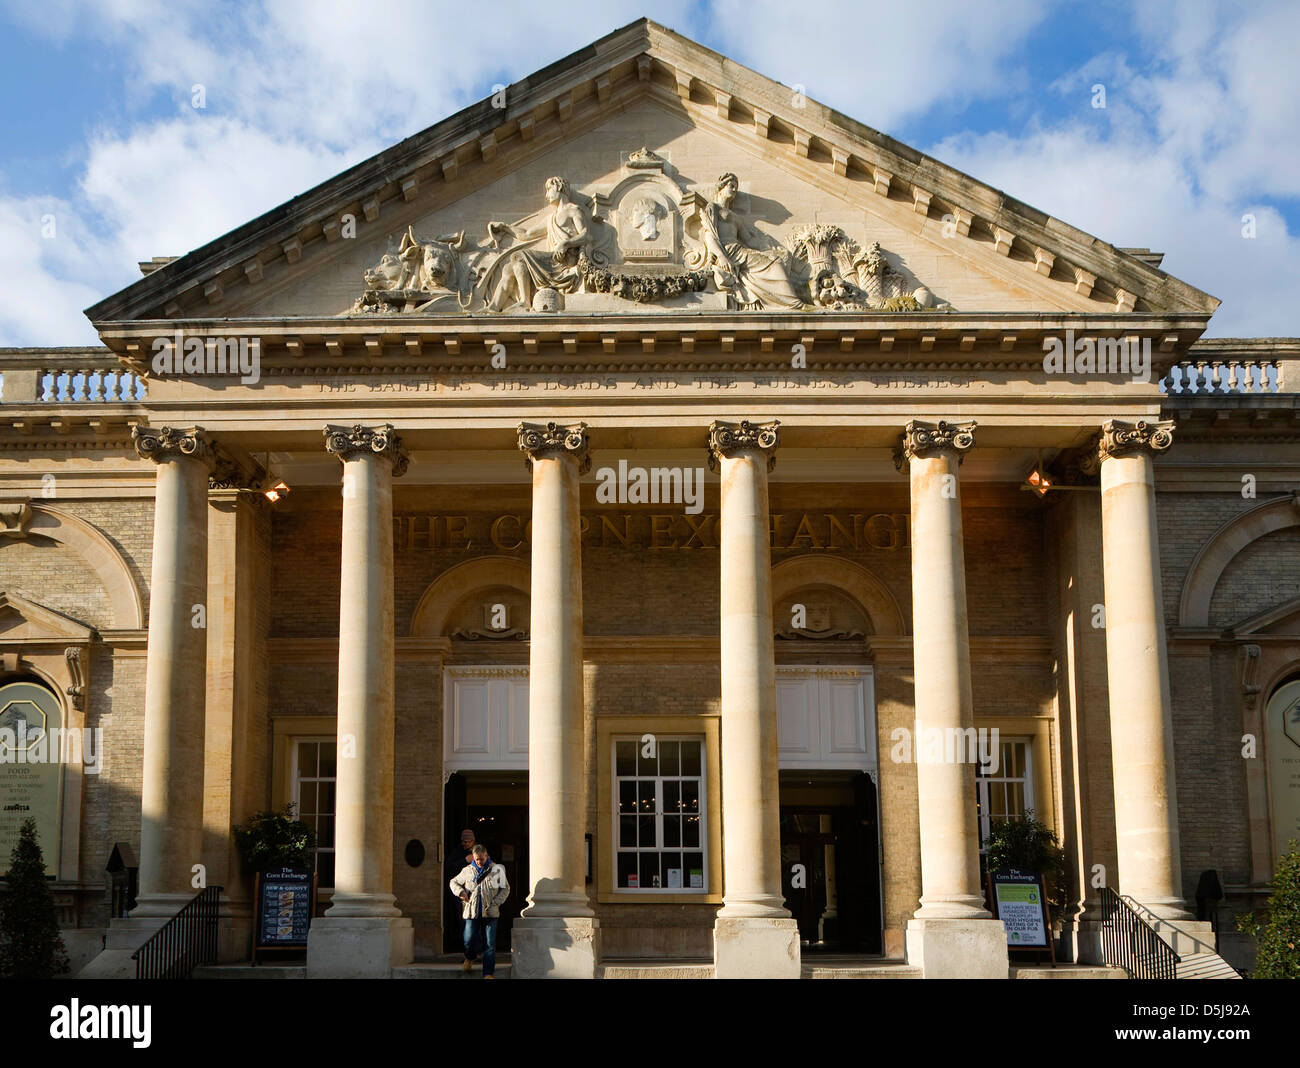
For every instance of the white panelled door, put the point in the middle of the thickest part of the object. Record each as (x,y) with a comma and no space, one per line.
(485,718)
(827,718)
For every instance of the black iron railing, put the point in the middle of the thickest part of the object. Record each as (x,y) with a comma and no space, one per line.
(1129,942)
(184,942)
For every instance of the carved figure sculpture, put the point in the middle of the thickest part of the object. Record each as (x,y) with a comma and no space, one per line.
(546,258)
(747,264)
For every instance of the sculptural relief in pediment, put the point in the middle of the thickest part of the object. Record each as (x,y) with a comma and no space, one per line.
(650,240)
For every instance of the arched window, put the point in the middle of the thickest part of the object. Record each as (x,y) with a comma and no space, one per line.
(33,749)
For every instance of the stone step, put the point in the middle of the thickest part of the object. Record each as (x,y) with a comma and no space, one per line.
(883,969)
(1206,966)
(448,970)
(245,970)
(651,968)
(1066,971)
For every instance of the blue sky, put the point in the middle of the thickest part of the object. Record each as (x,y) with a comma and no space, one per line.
(1201,124)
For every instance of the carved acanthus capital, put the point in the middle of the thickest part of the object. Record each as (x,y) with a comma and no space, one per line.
(921,440)
(348,442)
(1121,438)
(538,440)
(172,443)
(727,439)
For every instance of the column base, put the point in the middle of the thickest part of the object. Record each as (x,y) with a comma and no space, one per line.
(554,947)
(348,947)
(958,949)
(752,947)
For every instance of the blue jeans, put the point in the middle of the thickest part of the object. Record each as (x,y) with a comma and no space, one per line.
(482,932)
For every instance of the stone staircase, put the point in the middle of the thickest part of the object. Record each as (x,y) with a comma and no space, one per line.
(1193,941)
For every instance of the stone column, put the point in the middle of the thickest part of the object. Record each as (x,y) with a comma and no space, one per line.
(556,936)
(171,789)
(754,935)
(951,935)
(363,934)
(1137,665)
(171,786)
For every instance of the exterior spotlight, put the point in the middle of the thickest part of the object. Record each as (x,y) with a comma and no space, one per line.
(277,491)
(1038,481)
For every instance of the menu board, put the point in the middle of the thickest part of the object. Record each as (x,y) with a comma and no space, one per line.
(1019,902)
(284,908)
(31,770)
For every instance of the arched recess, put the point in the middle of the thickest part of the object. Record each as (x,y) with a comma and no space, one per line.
(1226,542)
(836,573)
(101,556)
(432,615)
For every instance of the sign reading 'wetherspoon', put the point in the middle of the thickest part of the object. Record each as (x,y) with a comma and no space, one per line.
(666,530)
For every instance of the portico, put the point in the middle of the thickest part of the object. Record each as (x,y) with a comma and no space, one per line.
(690,726)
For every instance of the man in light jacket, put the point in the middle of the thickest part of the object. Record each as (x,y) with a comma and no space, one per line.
(481,887)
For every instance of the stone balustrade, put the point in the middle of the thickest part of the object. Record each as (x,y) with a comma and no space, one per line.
(1223,376)
(83,378)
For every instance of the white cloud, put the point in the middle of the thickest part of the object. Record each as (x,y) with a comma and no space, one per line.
(1203,106)
(51,263)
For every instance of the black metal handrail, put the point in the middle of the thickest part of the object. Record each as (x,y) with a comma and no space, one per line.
(184,942)
(1129,942)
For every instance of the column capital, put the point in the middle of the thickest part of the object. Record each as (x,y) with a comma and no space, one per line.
(538,440)
(727,439)
(1119,437)
(171,443)
(922,439)
(346,442)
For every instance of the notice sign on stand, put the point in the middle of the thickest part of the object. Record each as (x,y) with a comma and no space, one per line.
(285,903)
(1019,901)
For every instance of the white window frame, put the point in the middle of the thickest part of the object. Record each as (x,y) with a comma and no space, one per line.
(982,783)
(702,848)
(296,779)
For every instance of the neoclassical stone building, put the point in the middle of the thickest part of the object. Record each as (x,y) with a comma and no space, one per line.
(676,482)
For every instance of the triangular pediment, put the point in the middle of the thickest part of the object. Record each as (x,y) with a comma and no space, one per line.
(22,619)
(828,214)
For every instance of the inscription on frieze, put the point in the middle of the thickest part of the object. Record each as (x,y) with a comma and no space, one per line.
(810,531)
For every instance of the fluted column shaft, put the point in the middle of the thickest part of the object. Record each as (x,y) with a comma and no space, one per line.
(1137,665)
(557,777)
(171,789)
(950,883)
(363,834)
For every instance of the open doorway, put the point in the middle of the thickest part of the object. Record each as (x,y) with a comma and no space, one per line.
(494,805)
(830,871)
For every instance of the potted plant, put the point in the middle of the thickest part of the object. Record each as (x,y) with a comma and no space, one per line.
(1028,844)
(275,839)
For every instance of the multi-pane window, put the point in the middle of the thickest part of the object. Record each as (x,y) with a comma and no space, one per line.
(659,794)
(1005,793)
(314,774)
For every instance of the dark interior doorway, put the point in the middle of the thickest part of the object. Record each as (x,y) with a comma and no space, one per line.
(494,805)
(830,871)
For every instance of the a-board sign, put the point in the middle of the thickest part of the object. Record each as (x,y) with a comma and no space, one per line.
(1020,902)
(284,907)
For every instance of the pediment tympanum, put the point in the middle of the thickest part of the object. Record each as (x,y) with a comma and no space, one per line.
(649,238)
